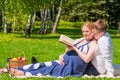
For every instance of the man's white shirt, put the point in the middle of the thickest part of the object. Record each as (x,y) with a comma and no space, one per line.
(103,56)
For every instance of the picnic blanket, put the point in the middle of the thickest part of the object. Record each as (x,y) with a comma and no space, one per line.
(116,73)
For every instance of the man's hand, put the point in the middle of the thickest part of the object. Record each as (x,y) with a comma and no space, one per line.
(61,59)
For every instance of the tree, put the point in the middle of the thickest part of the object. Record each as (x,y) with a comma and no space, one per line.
(4,16)
(113,13)
(119,29)
(0,20)
(29,25)
(57,18)
(20,15)
(49,17)
(83,10)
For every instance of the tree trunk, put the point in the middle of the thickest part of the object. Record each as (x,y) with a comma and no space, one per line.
(0,19)
(51,15)
(107,10)
(33,21)
(53,11)
(50,21)
(42,22)
(14,24)
(28,26)
(57,18)
(44,15)
(3,17)
(119,29)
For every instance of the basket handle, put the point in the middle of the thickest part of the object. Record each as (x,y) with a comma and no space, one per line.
(18,50)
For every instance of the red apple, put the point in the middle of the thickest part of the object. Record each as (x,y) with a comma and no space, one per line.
(19,58)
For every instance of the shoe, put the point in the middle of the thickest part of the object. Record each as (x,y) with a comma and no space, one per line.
(8,59)
(33,60)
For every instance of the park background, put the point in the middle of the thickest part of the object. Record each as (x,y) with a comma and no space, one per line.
(34,26)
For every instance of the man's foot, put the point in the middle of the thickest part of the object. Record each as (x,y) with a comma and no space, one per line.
(34,60)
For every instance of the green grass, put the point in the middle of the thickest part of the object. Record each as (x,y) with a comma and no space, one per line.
(45,48)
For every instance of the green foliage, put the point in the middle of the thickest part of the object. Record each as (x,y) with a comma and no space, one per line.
(70,24)
(16,11)
(37,23)
(82,10)
(113,13)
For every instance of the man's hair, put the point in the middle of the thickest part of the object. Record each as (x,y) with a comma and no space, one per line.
(100,25)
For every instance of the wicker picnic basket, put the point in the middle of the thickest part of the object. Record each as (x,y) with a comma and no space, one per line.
(16,63)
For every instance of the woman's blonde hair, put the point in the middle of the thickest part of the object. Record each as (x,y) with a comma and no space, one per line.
(90,25)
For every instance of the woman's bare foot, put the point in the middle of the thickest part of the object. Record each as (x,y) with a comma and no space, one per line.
(3,70)
(14,72)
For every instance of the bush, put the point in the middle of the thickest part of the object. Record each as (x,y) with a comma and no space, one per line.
(70,24)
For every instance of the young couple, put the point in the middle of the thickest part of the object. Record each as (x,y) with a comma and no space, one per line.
(90,55)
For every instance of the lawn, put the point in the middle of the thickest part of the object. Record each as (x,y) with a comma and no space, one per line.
(45,47)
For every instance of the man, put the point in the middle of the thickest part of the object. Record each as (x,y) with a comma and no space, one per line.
(102,61)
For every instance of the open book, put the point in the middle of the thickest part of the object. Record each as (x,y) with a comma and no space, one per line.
(66,40)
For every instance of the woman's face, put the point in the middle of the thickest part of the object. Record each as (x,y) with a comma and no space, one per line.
(87,33)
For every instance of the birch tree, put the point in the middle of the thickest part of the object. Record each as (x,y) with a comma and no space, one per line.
(31,7)
(44,15)
(29,25)
(57,18)
(3,16)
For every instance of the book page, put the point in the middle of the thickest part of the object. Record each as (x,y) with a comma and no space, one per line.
(66,40)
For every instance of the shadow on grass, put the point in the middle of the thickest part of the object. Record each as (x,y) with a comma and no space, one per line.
(112,31)
(115,36)
(73,33)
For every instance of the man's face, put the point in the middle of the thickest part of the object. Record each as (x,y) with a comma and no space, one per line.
(97,34)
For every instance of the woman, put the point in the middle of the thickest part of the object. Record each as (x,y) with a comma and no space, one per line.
(76,59)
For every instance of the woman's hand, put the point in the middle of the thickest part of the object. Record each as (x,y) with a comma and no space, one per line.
(61,59)
(71,47)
